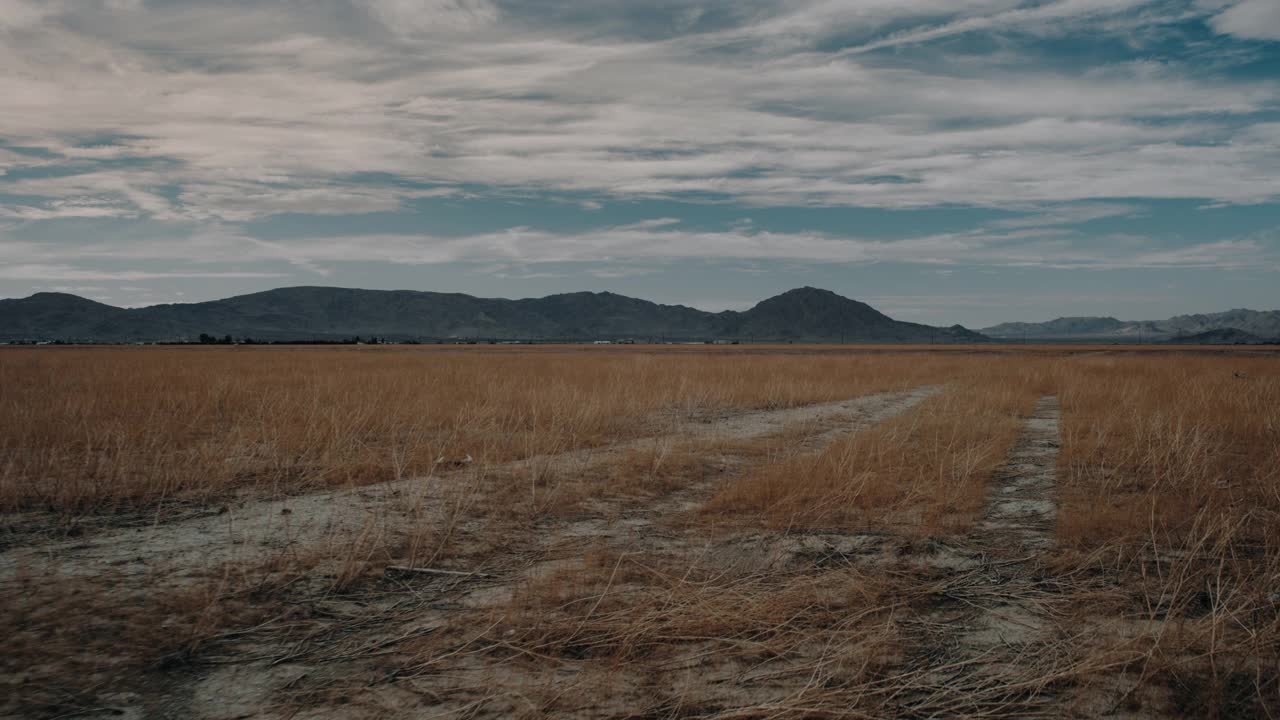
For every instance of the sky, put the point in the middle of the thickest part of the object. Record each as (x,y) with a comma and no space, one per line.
(947,161)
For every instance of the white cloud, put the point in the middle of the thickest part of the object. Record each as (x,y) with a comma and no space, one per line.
(407,17)
(18,14)
(621,247)
(1051,17)
(1069,215)
(10,160)
(213,116)
(239,201)
(28,272)
(1252,19)
(69,208)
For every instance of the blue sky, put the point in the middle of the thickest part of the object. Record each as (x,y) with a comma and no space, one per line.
(970,161)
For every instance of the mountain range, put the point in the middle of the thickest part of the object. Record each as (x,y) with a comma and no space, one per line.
(1232,326)
(326,313)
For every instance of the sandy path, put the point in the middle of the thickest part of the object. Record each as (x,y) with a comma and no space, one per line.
(272,667)
(1021,509)
(990,657)
(324,637)
(259,532)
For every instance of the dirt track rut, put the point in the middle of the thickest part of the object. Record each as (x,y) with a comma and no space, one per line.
(254,534)
(990,660)
(620,523)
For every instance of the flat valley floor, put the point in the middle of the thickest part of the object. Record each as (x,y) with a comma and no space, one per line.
(754,532)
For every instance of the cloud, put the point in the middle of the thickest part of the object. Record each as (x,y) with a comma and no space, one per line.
(211,116)
(408,17)
(72,273)
(1241,253)
(18,14)
(72,207)
(10,160)
(623,250)
(135,193)
(240,201)
(1251,19)
(1069,215)
(1051,17)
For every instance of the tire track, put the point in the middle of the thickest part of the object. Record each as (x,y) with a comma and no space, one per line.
(629,525)
(995,656)
(174,553)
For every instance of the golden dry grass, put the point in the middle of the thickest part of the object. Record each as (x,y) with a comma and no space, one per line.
(101,429)
(1170,488)
(1162,586)
(924,472)
(1155,447)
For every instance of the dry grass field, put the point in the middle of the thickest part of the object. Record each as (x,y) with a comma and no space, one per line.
(641,532)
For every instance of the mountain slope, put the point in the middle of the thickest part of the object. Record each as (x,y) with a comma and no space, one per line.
(1061,327)
(320,313)
(1262,324)
(50,314)
(1222,336)
(809,312)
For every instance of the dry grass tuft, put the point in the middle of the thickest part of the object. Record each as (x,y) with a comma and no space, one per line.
(675,632)
(103,430)
(602,594)
(1150,447)
(924,471)
(1168,483)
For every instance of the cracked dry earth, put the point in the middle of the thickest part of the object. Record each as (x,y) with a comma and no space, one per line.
(359,652)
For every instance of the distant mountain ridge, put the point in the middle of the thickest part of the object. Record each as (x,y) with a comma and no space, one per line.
(325,313)
(1249,326)
(1221,336)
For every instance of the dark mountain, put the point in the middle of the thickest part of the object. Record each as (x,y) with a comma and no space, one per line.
(813,313)
(1061,327)
(1261,324)
(1265,324)
(606,314)
(1223,336)
(38,315)
(334,313)
(320,313)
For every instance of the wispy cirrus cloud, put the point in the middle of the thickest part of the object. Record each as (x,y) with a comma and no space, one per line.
(413,17)
(192,136)
(71,273)
(1252,19)
(1055,17)
(247,123)
(664,239)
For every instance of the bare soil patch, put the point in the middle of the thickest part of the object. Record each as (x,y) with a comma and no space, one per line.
(989,651)
(331,641)
(253,532)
